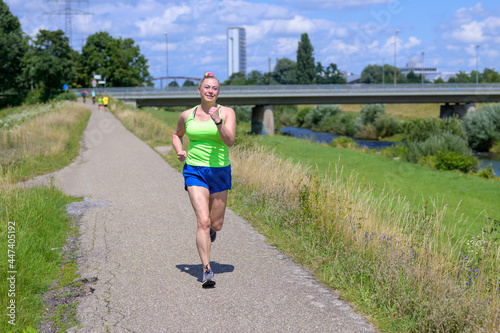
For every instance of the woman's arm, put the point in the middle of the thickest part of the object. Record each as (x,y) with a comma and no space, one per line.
(227,129)
(178,134)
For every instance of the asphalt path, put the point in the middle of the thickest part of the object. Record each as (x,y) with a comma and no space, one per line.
(138,240)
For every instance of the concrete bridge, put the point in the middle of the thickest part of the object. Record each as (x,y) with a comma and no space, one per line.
(457,99)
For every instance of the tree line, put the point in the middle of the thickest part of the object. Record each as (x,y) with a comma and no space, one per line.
(47,62)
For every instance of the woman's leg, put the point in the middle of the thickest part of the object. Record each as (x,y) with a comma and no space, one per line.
(200,198)
(218,203)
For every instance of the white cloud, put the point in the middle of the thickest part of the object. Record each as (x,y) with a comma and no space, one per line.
(412,42)
(286,46)
(158,25)
(340,3)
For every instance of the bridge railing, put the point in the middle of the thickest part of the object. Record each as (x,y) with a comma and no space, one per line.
(301,88)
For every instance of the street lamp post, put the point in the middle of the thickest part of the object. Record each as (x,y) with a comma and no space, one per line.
(422,68)
(477,67)
(395,56)
(166,40)
(383,72)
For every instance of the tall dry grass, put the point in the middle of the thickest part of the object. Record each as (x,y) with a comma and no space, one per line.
(42,141)
(399,265)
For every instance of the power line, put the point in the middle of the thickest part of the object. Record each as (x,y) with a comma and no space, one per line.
(68,12)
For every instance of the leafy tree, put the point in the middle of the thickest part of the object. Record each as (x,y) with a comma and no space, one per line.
(463,77)
(439,80)
(306,70)
(117,60)
(173,84)
(255,78)
(50,61)
(490,76)
(329,75)
(236,79)
(413,78)
(13,47)
(188,83)
(373,74)
(285,71)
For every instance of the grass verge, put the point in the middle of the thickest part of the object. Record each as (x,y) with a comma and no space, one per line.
(34,223)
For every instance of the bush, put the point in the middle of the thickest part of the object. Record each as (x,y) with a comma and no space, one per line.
(487,172)
(65,97)
(483,127)
(299,117)
(34,97)
(370,112)
(340,124)
(318,112)
(387,125)
(422,129)
(436,144)
(344,142)
(451,160)
(368,132)
(243,113)
(284,114)
(394,151)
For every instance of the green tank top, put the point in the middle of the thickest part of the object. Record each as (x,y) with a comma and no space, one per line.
(206,147)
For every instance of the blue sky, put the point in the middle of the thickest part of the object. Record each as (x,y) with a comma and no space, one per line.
(349,33)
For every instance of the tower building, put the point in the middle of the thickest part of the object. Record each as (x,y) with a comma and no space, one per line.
(236,51)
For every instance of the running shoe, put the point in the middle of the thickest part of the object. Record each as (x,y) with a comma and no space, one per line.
(208,279)
(213,235)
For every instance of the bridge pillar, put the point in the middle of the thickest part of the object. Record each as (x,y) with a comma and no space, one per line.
(262,120)
(458,109)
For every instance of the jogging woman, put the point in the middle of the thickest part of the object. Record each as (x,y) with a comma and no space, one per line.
(211,129)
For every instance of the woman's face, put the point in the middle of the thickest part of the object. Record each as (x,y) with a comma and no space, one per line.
(209,90)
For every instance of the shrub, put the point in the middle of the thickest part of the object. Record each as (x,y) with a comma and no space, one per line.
(487,172)
(451,160)
(340,124)
(387,125)
(496,147)
(243,113)
(65,97)
(370,112)
(344,142)
(422,129)
(483,127)
(428,161)
(319,112)
(394,151)
(34,97)
(366,132)
(435,144)
(284,114)
(299,117)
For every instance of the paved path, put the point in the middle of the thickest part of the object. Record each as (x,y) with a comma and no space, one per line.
(141,247)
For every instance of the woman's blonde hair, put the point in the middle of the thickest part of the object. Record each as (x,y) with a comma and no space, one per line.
(208,75)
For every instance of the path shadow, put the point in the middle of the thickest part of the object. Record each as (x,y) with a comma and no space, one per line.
(197,272)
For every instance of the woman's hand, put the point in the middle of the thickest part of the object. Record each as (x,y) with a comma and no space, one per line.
(214,113)
(182,155)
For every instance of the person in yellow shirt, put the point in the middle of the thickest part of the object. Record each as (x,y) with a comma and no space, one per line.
(105,101)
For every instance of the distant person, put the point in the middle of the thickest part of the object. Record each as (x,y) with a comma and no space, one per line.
(211,130)
(105,101)
(101,104)
(93,96)
(84,94)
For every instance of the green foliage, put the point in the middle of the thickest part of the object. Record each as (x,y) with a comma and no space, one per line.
(344,142)
(65,97)
(243,113)
(370,112)
(329,75)
(340,124)
(487,172)
(299,117)
(50,61)
(236,79)
(463,77)
(285,71)
(188,83)
(118,60)
(373,74)
(451,160)
(413,78)
(305,61)
(483,127)
(387,125)
(173,84)
(319,112)
(421,129)
(284,115)
(34,97)
(435,144)
(490,76)
(13,47)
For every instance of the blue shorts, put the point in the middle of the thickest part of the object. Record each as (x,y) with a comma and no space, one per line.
(214,179)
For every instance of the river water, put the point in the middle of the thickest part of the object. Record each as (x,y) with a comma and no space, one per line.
(323,137)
